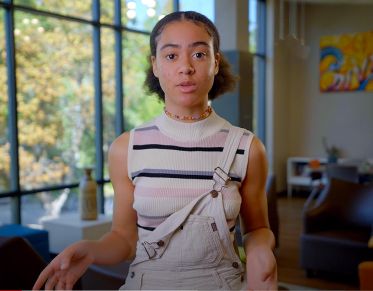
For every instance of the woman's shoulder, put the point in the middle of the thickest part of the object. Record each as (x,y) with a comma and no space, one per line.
(123,140)
(247,134)
(146,125)
(227,125)
(120,143)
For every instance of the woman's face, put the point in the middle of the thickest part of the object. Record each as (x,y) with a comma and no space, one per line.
(185,65)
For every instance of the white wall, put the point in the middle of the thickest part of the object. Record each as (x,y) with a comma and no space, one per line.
(302,114)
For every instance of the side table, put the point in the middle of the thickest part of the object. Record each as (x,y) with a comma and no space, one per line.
(69,228)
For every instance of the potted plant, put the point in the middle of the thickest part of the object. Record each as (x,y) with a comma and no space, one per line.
(332,151)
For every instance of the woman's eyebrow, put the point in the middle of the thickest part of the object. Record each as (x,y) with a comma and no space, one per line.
(167,45)
(199,43)
(194,44)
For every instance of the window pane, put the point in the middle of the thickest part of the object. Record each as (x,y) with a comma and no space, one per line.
(108,90)
(5,210)
(143,14)
(109,195)
(48,204)
(107,11)
(4,143)
(255,97)
(138,105)
(206,7)
(55,100)
(81,8)
(253,25)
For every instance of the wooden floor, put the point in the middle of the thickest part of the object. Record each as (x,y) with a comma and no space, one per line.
(289,270)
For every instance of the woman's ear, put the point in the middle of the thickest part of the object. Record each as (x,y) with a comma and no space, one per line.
(154,66)
(217,63)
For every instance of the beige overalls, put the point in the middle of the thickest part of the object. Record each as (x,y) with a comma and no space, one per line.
(192,248)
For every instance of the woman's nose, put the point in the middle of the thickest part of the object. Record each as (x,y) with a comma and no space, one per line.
(186,67)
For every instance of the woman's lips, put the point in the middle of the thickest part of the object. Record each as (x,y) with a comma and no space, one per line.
(187,87)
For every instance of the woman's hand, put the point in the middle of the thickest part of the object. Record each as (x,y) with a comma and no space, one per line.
(261,269)
(65,269)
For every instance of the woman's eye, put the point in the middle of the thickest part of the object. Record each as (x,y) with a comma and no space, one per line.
(199,55)
(170,56)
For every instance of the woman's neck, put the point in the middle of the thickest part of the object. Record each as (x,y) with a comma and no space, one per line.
(190,131)
(191,117)
(187,113)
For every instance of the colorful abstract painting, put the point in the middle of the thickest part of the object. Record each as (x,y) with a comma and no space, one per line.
(346,62)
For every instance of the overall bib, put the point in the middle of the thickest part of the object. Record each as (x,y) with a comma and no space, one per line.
(192,248)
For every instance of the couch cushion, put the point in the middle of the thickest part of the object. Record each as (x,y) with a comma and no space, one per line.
(328,252)
(348,237)
(342,204)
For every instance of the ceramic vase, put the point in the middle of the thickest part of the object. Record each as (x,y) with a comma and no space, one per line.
(87,197)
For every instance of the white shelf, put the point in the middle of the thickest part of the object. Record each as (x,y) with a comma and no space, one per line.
(298,172)
(299,180)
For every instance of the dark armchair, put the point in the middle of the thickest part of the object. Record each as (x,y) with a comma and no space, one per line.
(20,264)
(336,229)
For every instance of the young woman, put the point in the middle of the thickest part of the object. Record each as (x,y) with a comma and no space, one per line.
(182,180)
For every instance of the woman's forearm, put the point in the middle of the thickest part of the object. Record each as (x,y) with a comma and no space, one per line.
(112,248)
(259,238)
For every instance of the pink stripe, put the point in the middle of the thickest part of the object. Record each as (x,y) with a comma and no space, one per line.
(146,137)
(243,142)
(149,222)
(167,192)
(154,222)
(141,191)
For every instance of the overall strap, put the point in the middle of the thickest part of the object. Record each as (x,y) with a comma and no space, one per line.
(221,179)
(221,172)
(230,148)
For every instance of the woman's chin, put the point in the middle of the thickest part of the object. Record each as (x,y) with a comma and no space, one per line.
(189,100)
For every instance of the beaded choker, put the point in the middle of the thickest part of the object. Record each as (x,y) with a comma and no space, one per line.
(203,115)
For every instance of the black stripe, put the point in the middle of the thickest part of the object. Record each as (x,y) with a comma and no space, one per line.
(153,228)
(145,227)
(165,175)
(179,176)
(184,149)
(177,148)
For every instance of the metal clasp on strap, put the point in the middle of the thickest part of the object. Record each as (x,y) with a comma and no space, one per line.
(150,250)
(221,179)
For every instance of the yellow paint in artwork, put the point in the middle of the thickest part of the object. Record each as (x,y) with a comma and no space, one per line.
(326,62)
(326,80)
(369,86)
(347,62)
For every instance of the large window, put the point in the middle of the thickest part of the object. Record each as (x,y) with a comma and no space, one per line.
(143,14)
(54,99)
(257,46)
(71,76)
(4,142)
(206,7)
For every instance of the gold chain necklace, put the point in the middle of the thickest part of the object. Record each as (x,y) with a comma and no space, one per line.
(203,115)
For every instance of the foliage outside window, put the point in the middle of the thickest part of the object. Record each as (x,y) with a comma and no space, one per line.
(4,144)
(55,97)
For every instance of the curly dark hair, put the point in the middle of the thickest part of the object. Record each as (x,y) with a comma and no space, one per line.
(224,80)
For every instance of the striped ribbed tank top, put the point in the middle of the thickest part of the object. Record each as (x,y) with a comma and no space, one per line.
(172,162)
